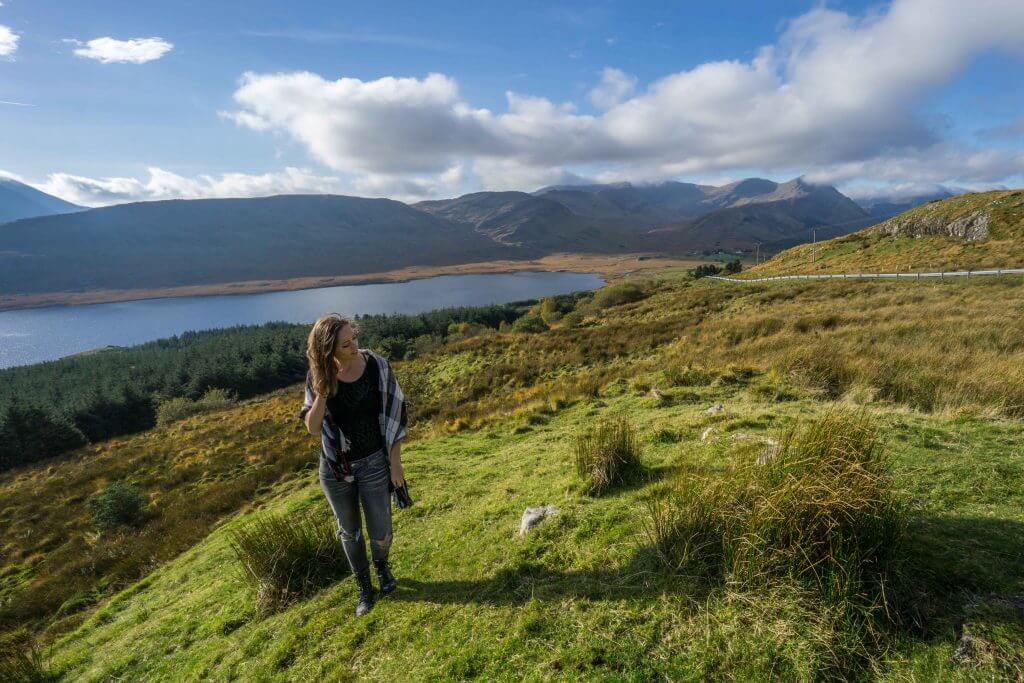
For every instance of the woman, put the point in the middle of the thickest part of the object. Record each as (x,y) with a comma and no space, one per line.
(353,400)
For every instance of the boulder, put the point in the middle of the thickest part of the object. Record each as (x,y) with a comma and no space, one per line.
(533,516)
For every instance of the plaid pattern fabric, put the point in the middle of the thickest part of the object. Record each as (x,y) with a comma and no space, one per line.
(393,421)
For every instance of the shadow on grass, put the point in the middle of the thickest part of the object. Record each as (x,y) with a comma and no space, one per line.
(528,580)
(955,560)
(950,560)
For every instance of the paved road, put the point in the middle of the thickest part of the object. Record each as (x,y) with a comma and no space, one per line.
(877,276)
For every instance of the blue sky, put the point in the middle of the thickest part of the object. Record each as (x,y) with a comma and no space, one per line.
(418,100)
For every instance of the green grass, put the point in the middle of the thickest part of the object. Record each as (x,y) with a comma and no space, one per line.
(584,595)
(870,251)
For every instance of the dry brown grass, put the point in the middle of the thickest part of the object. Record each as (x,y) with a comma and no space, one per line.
(194,473)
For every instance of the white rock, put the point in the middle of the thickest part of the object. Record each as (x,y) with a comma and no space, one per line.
(715,409)
(533,516)
(708,433)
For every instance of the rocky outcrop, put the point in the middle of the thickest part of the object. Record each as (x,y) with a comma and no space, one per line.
(970,227)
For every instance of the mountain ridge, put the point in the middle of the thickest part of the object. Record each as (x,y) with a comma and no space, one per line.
(176,243)
(18,200)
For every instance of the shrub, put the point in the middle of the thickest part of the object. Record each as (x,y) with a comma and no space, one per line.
(119,504)
(733,267)
(607,456)
(285,558)
(394,347)
(179,408)
(529,323)
(418,389)
(705,270)
(549,310)
(425,343)
(457,331)
(618,294)
(573,319)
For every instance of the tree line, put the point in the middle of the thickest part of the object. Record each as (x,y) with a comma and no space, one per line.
(53,407)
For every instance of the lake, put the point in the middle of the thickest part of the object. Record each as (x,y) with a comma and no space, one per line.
(37,334)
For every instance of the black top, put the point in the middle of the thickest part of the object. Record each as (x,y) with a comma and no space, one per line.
(355,408)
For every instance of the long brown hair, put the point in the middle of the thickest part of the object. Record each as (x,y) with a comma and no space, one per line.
(320,351)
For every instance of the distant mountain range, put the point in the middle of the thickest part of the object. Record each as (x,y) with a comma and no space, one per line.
(887,207)
(18,200)
(160,244)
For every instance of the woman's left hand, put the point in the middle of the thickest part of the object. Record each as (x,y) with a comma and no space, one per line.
(397,474)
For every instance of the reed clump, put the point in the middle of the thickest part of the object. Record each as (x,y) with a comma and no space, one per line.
(608,455)
(286,558)
(821,514)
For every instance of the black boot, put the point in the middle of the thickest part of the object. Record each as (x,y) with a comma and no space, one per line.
(384,577)
(365,592)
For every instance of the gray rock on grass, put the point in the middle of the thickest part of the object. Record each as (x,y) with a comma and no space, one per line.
(533,516)
(716,409)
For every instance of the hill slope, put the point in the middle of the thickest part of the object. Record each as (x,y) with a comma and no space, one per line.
(520,220)
(584,595)
(18,200)
(703,207)
(152,245)
(169,243)
(977,230)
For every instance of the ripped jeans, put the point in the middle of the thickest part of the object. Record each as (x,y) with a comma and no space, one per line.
(371,489)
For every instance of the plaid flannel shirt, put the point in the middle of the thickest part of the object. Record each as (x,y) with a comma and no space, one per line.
(334,445)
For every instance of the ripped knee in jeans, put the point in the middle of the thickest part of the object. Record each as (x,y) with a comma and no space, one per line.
(347,536)
(383,545)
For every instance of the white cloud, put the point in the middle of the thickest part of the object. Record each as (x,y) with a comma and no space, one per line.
(834,91)
(163,184)
(614,87)
(453,181)
(166,185)
(113,51)
(943,163)
(8,41)
(509,174)
(385,126)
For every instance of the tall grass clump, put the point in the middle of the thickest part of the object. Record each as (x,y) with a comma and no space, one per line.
(285,558)
(608,455)
(21,663)
(823,512)
(686,530)
(821,515)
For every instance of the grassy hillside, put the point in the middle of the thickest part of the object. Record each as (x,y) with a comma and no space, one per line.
(913,241)
(586,595)
(582,597)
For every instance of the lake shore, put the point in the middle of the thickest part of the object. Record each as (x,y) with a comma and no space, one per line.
(608,266)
